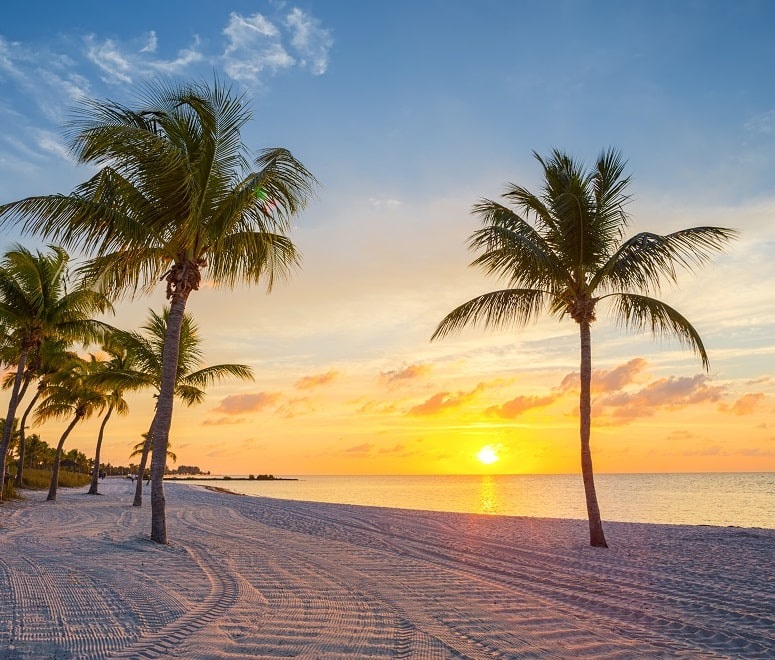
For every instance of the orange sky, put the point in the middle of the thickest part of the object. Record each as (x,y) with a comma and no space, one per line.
(348,383)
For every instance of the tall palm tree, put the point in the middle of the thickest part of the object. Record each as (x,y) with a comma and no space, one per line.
(118,361)
(69,394)
(35,305)
(573,256)
(144,369)
(176,196)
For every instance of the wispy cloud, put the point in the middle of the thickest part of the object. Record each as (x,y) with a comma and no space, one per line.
(310,39)
(664,394)
(316,380)
(443,401)
(127,63)
(410,372)
(521,404)
(745,405)
(237,404)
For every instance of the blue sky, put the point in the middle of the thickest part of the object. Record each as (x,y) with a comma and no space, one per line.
(408,112)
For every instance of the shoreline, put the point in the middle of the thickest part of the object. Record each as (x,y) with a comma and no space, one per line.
(253,577)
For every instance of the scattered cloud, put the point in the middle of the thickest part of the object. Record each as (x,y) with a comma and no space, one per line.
(363,449)
(611,380)
(126,63)
(762,124)
(379,407)
(520,404)
(223,421)
(316,380)
(410,372)
(745,405)
(295,407)
(384,203)
(666,393)
(237,404)
(444,401)
(256,44)
(310,39)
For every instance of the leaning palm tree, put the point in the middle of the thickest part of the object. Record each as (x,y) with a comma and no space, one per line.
(36,304)
(573,256)
(117,362)
(144,369)
(69,394)
(43,362)
(177,196)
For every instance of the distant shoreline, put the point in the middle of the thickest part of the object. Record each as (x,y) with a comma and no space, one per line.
(260,477)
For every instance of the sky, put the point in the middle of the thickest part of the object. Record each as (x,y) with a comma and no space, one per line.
(408,112)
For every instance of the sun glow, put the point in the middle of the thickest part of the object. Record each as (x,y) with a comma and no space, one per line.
(487,455)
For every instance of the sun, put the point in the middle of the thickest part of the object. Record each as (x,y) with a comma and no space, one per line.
(487,455)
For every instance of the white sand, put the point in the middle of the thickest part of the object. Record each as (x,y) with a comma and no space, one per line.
(254,577)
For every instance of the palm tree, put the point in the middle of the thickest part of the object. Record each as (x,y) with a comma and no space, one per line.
(143,447)
(70,393)
(145,368)
(45,360)
(35,305)
(573,256)
(118,362)
(176,196)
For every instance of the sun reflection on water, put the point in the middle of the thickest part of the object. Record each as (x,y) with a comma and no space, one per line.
(488,495)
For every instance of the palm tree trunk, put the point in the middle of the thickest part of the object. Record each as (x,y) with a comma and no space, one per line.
(52,489)
(13,404)
(23,439)
(160,429)
(95,473)
(596,536)
(141,468)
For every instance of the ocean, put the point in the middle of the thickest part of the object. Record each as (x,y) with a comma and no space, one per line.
(721,499)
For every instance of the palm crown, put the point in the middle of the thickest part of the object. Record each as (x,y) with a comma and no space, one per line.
(573,254)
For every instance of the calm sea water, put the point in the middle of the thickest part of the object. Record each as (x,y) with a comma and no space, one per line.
(740,499)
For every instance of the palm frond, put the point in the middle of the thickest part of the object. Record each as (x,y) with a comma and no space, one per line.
(638,312)
(495,309)
(645,260)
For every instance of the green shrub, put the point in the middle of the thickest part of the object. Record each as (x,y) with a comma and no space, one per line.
(41,479)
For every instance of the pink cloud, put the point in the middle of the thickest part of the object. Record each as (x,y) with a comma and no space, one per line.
(308,382)
(665,393)
(520,404)
(745,405)
(442,401)
(611,380)
(236,404)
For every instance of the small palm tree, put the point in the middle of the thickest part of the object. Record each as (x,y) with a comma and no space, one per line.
(36,305)
(144,369)
(176,196)
(574,256)
(69,394)
(118,362)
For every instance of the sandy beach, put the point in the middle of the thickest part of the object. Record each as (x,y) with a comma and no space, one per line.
(264,578)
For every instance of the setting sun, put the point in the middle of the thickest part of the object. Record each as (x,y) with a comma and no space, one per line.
(487,455)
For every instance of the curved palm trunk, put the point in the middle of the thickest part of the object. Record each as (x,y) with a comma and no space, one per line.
(52,489)
(13,404)
(141,468)
(160,428)
(95,473)
(23,439)
(596,536)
